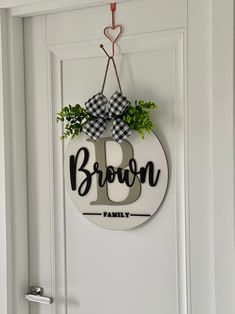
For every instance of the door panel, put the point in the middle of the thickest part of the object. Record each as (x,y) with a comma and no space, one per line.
(116,268)
(85,268)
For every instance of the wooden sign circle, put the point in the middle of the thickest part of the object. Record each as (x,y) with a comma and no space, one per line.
(116,186)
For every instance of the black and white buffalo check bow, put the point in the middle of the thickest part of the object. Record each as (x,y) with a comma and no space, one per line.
(101,110)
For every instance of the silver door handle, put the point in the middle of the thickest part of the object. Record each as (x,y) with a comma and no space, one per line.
(36,295)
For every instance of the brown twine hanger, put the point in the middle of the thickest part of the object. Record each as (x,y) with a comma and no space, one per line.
(116,73)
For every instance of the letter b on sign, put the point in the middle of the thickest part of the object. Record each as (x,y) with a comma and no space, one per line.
(102,192)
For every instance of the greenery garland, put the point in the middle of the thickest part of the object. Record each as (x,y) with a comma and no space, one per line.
(137,117)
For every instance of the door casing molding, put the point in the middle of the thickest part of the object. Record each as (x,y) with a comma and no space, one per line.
(13,195)
(13,203)
(38,7)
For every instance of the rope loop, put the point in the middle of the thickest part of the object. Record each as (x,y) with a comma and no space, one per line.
(106,72)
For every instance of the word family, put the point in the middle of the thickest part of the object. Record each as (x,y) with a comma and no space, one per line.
(116,215)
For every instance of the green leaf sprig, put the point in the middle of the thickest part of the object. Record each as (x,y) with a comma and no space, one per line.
(76,117)
(137,117)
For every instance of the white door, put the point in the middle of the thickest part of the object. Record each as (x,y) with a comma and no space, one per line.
(146,270)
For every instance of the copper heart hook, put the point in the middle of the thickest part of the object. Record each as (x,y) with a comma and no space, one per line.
(109,31)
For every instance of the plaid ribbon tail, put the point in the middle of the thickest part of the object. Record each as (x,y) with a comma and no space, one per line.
(95,128)
(120,130)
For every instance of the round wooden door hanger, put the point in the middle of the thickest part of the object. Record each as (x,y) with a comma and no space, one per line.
(116,186)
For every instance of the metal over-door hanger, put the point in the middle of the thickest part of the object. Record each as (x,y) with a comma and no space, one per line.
(113,38)
(107,30)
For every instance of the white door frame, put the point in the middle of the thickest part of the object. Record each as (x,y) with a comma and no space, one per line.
(216,34)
